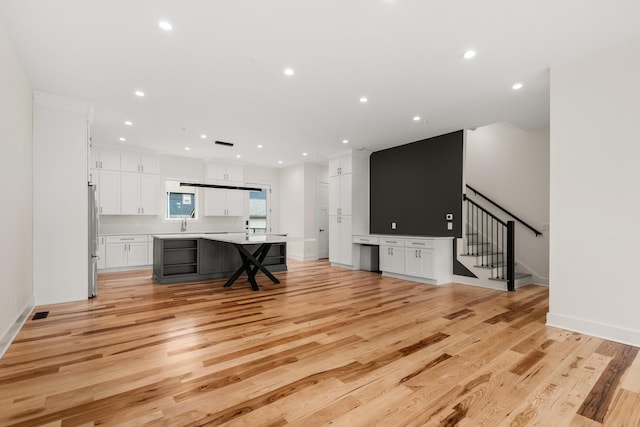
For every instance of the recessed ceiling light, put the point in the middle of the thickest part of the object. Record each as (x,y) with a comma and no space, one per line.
(345,141)
(139,93)
(517,86)
(364,99)
(128,123)
(416,118)
(289,72)
(123,139)
(203,136)
(304,154)
(469,54)
(187,148)
(165,25)
(259,145)
(238,156)
(279,162)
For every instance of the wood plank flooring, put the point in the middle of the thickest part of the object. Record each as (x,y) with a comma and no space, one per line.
(326,346)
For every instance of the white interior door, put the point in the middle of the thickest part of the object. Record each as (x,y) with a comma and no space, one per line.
(323,220)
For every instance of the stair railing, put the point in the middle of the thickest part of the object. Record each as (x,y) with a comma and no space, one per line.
(536,232)
(492,237)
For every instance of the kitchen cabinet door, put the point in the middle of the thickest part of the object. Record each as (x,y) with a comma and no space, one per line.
(149,163)
(149,194)
(391,259)
(116,255)
(136,254)
(139,194)
(140,162)
(419,262)
(340,240)
(109,192)
(104,159)
(235,202)
(221,202)
(218,171)
(129,193)
(215,202)
(340,194)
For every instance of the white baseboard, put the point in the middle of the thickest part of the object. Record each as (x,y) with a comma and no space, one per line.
(10,335)
(599,330)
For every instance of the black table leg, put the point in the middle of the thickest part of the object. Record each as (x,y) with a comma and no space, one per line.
(251,263)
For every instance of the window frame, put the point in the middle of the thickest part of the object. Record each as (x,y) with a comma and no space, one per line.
(196,200)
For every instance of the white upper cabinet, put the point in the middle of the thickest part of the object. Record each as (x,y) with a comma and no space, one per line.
(108,184)
(348,163)
(139,194)
(220,171)
(104,159)
(221,202)
(128,182)
(140,162)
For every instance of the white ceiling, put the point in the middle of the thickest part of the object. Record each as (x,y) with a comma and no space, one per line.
(220,71)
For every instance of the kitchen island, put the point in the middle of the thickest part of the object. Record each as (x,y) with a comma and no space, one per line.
(194,257)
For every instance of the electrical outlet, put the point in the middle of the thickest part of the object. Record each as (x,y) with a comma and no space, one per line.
(449,226)
(393,225)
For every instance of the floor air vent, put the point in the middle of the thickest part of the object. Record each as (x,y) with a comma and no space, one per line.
(40,315)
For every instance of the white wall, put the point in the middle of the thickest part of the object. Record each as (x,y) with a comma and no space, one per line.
(312,174)
(60,224)
(292,219)
(511,166)
(16,245)
(595,106)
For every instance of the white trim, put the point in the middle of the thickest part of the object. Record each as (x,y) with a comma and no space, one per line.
(12,332)
(599,330)
(42,98)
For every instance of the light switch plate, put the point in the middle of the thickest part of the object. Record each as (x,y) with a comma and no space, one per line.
(393,225)
(449,226)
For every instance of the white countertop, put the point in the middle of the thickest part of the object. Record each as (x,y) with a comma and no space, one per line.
(401,236)
(236,238)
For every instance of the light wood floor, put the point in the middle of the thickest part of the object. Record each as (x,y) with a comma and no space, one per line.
(327,346)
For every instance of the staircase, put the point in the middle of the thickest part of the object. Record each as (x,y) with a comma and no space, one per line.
(488,248)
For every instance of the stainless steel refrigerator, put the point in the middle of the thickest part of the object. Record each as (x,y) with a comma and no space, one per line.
(93,241)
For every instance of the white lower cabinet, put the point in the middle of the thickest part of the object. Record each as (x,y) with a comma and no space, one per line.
(391,256)
(421,259)
(126,251)
(341,240)
(418,262)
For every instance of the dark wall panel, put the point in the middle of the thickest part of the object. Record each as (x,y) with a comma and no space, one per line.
(416,185)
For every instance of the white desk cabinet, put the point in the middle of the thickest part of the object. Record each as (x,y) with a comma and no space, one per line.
(427,260)
(391,256)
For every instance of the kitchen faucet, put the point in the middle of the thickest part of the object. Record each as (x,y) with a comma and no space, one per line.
(183,227)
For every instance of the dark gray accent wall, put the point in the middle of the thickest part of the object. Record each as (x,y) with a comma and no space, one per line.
(416,185)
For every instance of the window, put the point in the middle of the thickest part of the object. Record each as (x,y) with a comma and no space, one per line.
(181,201)
(258,210)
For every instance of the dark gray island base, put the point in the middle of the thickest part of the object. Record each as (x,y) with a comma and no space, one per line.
(195,257)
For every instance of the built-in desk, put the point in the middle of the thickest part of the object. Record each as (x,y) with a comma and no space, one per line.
(417,258)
